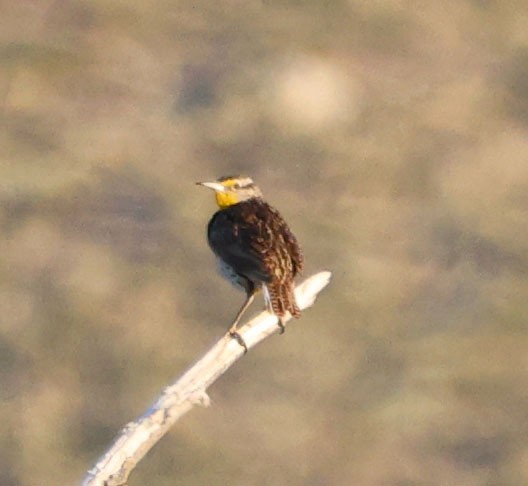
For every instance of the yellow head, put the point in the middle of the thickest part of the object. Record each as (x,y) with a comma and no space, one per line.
(232,190)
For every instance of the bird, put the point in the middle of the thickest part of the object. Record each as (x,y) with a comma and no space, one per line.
(254,247)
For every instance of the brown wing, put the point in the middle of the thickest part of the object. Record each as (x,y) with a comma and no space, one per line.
(283,255)
(253,238)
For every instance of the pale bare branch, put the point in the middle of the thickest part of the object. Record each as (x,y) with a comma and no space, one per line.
(139,436)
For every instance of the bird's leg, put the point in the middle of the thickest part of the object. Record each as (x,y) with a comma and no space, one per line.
(233,329)
(281,325)
(247,303)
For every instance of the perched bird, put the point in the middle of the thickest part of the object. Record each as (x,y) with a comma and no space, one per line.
(254,247)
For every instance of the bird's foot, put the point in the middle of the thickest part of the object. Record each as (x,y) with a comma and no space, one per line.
(281,325)
(235,335)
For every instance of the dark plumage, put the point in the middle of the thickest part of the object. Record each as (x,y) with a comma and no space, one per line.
(253,239)
(254,246)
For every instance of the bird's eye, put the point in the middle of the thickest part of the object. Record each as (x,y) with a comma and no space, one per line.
(236,185)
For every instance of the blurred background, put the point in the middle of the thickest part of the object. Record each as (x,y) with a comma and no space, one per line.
(392,136)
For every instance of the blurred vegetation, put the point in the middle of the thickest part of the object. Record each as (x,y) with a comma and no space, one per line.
(392,135)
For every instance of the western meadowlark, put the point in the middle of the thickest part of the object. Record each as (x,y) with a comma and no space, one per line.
(255,248)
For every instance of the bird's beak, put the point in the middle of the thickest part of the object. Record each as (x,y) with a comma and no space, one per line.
(215,186)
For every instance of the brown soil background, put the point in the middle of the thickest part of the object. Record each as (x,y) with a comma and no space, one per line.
(393,137)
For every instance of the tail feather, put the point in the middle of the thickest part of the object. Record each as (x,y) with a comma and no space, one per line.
(281,299)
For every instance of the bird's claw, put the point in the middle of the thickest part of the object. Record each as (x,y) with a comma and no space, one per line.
(235,335)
